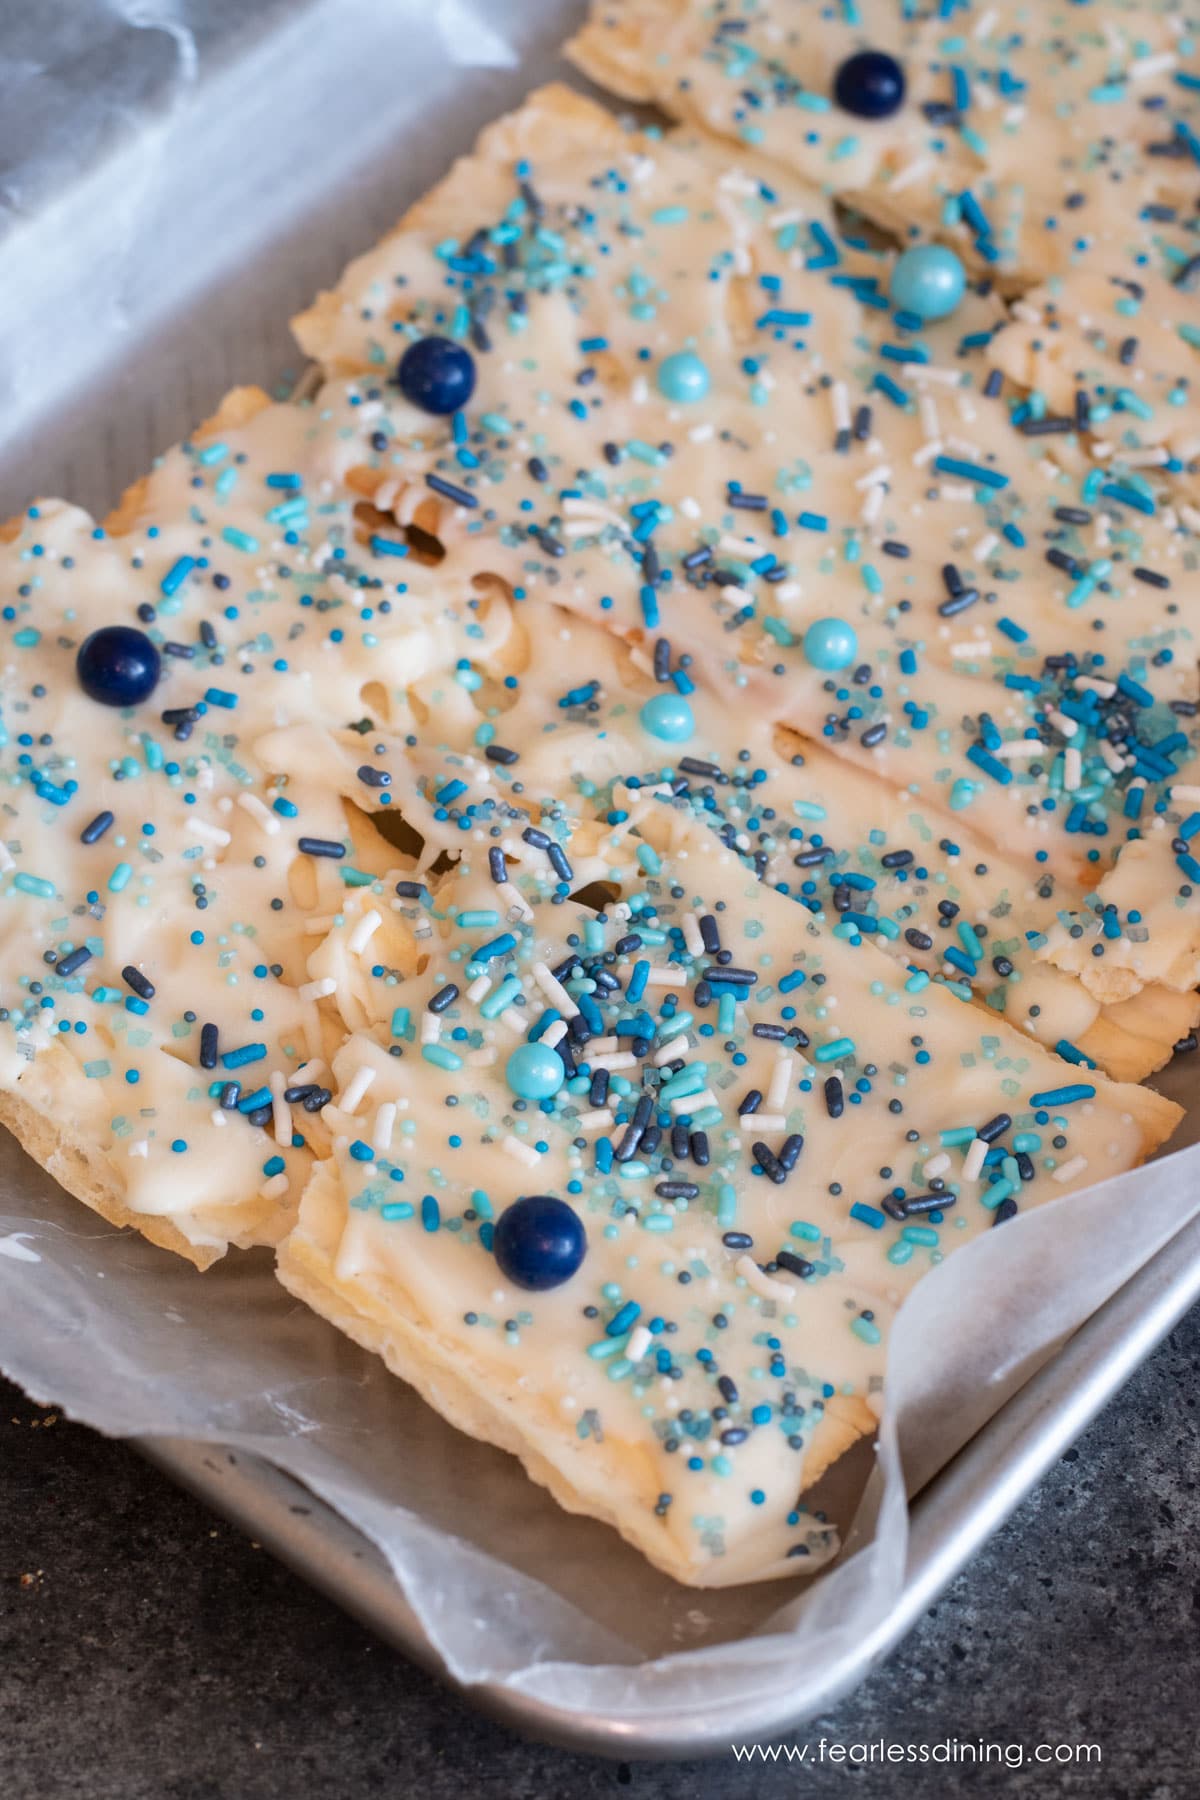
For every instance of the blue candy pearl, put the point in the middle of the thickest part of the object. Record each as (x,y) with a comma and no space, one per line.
(535,1072)
(683,377)
(830,643)
(118,666)
(928,280)
(436,375)
(870,85)
(669,717)
(539,1242)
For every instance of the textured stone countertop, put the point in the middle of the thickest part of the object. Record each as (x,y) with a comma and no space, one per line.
(149,1652)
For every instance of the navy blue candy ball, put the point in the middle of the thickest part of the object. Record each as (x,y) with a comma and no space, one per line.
(539,1242)
(118,666)
(436,375)
(870,85)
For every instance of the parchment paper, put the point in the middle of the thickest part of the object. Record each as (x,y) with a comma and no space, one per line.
(241,153)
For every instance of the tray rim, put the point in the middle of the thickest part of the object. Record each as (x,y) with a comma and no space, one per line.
(950,1520)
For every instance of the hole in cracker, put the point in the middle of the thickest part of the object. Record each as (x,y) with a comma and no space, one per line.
(426,548)
(443,863)
(376,702)
(419,534)
(392,826)
(377,837)
(598,895)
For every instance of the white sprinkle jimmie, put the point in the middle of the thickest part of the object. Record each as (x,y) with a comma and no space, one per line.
(762,1284)
(554,990)
(973,1161)
(268,822)
(385,1119)
(318,990)
(522,1153)
(355,1089)
(364,931)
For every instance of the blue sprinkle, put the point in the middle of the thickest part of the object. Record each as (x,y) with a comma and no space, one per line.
(177,574)
(867,1215)
(623,1319)
(970,471)
(1063,1096)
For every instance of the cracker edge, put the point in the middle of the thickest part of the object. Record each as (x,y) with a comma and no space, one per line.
(442,1375)
(547,120)
(82,1168)
(616,46)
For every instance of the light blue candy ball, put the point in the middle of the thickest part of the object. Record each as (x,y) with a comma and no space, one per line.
(535,1072)
(928,280)
(669,717)
(830,643)
(683,377)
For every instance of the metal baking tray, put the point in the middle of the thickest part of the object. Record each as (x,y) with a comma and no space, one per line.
(132,295)
(951,1519)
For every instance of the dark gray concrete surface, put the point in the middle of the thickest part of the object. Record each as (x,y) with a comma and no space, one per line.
(149,1652)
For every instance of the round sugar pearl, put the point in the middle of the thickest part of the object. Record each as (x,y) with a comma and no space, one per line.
(539,1242)
(870,85)
(118,666)
(436,375)
(928,280)
(830,643)
(683,377)
(534,1072)
(669,717)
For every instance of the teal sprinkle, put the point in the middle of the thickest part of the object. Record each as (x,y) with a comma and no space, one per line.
(969,471)
(36,884)
(999,1190)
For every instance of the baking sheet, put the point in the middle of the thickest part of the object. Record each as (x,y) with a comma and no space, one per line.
(226,191)
(949,1521)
